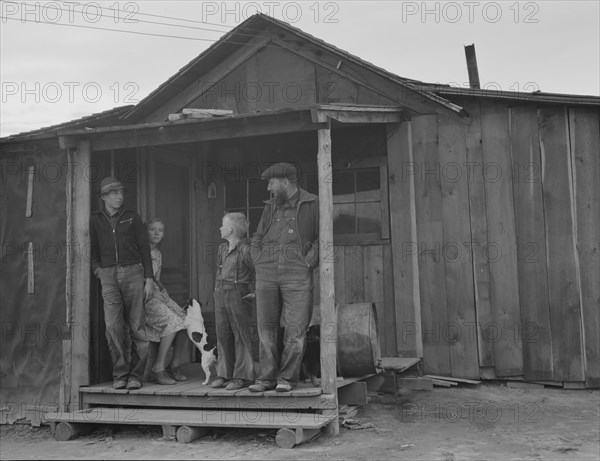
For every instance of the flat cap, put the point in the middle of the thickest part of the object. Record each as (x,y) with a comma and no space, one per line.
(280,170)
(110,183)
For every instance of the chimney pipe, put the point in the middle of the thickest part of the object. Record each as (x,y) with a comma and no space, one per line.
(472,66)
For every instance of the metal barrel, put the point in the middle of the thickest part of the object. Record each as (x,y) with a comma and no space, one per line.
(358,345)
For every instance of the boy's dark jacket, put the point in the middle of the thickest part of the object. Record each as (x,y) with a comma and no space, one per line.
(127,245)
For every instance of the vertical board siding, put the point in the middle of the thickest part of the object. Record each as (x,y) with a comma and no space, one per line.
(432,277)
(460,331)
(531,244)
(565,311)
(584,127)
(508,354)
(479,237)
(389,346)
(354,267)
(405,277)
(373,287)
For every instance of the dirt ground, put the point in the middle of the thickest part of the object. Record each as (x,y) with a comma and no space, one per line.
(489,421)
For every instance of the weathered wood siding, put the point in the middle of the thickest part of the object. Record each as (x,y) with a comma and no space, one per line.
(508,230)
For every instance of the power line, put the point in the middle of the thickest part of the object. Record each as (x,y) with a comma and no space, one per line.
(123,11)
(115,30)
(135,21)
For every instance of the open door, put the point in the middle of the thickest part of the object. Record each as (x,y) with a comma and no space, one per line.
(170,198)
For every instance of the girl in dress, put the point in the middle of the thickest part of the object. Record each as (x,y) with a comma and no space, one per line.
(164,317)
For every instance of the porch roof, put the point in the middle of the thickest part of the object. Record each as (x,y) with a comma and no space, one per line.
(310,118)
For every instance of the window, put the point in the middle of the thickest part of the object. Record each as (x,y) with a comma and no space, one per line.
(247,195)
(359,202)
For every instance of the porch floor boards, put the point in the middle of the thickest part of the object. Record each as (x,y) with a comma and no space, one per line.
(193,394)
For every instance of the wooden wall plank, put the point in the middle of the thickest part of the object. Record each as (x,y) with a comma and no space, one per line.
(479,237)
(585,146)
(531,243)
(404,249)
(373,283)
(430,231)
(461,329)
(390,346)
(508,354)
(565,309)
(354,268)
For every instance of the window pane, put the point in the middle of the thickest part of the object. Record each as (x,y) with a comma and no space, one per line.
(343,219)
(367,185)
(258,193)
(343,187)
(368,217)
(235,194)
(255,214)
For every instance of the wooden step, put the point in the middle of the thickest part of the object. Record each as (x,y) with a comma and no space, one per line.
(193,418)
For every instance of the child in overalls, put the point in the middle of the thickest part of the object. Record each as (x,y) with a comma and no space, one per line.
(234,295)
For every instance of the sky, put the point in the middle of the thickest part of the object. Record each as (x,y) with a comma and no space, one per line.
(64,60)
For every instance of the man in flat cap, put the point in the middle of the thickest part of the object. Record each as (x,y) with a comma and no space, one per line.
(285,251)
(120,257)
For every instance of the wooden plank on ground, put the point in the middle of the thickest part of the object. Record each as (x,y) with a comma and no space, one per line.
(479,237)
(585,145)
(531,243)
(430,231)
(453,379)
(441,383)
(565,308)
(404,273)
(508,351)
(461,331)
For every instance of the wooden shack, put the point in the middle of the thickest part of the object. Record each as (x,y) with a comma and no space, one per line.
(470,218)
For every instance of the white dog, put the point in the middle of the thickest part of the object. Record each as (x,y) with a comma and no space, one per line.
(194,322)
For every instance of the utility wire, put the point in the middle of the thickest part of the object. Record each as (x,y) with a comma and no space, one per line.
(117,30)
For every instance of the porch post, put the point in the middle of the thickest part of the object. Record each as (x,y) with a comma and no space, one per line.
(78,296)
(327,289)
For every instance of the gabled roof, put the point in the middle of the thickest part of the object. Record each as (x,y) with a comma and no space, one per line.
(255,26)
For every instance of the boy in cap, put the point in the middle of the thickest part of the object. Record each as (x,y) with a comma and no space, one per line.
(120,258)
(285,251)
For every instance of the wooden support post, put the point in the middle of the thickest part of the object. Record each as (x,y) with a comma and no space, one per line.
(187,434)
(79,294)
(67,431)
(169,432)
(326,273)
(289,438)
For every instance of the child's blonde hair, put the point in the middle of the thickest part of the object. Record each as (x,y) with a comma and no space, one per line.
(239,223)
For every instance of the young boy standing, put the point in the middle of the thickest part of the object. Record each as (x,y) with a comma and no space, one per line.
(234,295)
